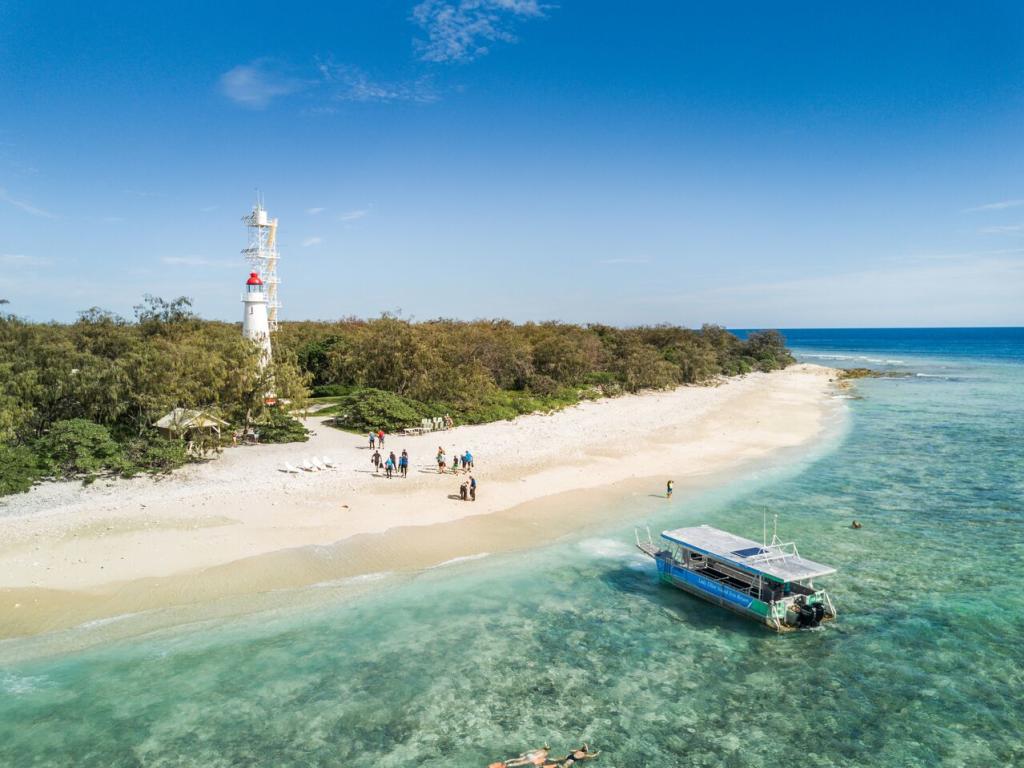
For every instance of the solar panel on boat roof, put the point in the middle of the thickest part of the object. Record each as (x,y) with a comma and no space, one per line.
(749,551)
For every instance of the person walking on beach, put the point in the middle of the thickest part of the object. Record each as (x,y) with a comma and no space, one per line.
(403,463)
(467,460)
(440,460)
(380,438)
(394,460)
(455,464)
(668,489)
(373,441)
(389,467)
(464,491)
(375,460)
(472,488)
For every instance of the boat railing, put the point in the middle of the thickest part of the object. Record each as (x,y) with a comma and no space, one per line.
(731,581)
(828,599)
(776,551)
(647,547)
(650,540)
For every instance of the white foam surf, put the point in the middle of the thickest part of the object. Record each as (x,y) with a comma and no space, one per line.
(462,559)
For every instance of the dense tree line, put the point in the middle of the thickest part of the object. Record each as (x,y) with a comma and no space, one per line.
(491,369)
(81,398)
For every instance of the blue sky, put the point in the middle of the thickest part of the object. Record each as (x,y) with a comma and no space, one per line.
(750,164)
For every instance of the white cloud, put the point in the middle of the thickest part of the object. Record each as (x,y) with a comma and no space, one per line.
(343,82)
(23,206)
(460,31)
(1006,229)
(361,213)
(22,260)
(969,289)
(311,241)
(256,84)
(314,211)
(198,261)
(1000,206)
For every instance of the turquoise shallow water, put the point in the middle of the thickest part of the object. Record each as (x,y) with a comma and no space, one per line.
(465,664)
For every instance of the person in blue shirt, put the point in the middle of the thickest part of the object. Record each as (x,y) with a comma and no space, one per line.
(389,467)
(472,488)
(403,463)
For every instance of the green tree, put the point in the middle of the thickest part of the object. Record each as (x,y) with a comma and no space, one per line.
(79,447)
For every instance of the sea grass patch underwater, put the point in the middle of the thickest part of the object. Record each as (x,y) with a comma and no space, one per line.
(482,659)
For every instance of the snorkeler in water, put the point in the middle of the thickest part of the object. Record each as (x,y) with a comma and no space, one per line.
(574,757)
(533,757)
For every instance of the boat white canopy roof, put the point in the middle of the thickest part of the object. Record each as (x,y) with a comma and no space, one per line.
(778,561)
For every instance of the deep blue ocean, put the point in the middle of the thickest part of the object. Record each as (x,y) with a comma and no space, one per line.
(462,665)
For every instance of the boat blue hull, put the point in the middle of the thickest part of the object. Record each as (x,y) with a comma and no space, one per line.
(714,591)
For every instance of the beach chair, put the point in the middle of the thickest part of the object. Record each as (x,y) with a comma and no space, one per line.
(307,465)
(426,425)
(318,464)
(290,469)
(327,460)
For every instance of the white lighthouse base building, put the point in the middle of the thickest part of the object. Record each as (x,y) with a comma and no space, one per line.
(255,323)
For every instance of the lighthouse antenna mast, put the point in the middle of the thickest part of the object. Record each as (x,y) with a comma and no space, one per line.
(261,253)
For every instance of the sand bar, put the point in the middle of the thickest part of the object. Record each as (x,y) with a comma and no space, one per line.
(238,524)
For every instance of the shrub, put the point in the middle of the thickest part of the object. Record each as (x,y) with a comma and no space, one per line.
(79,447)
(331,390)
(279,427)
(368,408)
(539,384)
(153,453)
(19,469)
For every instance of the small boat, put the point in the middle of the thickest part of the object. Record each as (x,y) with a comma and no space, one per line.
(769,583)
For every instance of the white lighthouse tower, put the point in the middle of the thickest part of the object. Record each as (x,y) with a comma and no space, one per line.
(255,324)
(262,255)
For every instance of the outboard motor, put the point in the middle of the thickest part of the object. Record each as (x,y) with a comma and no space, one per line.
(810,615)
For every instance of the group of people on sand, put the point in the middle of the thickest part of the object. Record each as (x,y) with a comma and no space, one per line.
(463,462)
(376,439)
(541,758)
(391,464)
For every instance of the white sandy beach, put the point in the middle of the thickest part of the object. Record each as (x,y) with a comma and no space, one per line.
(63,537)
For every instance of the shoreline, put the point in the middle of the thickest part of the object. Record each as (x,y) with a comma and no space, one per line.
(236,526)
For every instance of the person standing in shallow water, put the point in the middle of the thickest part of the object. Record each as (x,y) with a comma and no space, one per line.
(668,489)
